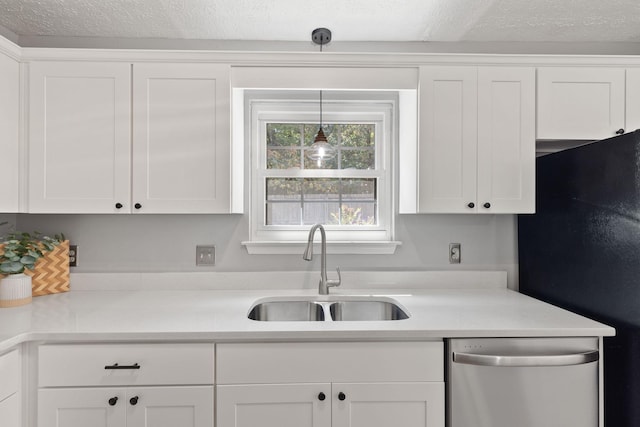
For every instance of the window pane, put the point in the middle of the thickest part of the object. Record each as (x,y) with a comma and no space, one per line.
(358,214)
(283,134)
(321,189)
(283,213)
(359,189)
(330,131)
(284,189)
(326,164)
(323,213)
(286,158)
(358,159)
(357,135)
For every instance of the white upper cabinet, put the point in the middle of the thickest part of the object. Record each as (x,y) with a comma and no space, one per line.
(506,140)
(632,116)
(448,134)
(79,137)
(181,138)
(83,158)
(476,140)
(9,135)
(580,102)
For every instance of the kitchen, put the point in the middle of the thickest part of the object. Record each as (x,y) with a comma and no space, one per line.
(136,244)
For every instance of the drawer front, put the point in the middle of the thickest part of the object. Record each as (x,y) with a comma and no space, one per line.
(125,364)
(264,363)
(10,374)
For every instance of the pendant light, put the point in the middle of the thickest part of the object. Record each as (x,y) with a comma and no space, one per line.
(321,150)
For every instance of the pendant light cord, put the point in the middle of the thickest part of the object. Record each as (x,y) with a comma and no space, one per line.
(321,43)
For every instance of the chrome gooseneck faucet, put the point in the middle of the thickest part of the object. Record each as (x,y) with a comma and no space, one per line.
(324,285)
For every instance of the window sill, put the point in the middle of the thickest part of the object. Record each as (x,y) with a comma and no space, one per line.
(338,248)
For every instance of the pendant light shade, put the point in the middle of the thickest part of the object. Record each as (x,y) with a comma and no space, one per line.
(321,150)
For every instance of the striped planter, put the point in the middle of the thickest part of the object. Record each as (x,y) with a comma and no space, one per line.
(15,290)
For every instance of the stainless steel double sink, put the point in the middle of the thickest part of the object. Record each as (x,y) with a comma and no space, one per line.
(334,309)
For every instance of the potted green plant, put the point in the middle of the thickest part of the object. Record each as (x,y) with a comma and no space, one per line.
(19,252)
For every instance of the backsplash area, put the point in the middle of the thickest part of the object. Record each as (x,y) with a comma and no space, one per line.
(167,243)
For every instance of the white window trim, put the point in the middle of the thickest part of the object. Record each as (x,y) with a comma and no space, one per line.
(381,109)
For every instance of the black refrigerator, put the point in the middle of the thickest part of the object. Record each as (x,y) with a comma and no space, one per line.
(581,251)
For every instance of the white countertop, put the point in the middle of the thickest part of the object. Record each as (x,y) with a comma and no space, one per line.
(221,315)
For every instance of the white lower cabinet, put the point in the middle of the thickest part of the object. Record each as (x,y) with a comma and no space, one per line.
(330,384)
(335,405)
(130,407)
(125,385)
(274,405)
(10,389)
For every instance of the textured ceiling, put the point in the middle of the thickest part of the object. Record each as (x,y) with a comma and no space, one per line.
(349,20)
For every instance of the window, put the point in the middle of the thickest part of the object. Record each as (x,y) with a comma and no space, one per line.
(350,194)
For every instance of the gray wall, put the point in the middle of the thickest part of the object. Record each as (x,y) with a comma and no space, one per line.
(158,243)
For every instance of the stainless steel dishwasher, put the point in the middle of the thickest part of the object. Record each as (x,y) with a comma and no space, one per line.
(524,382)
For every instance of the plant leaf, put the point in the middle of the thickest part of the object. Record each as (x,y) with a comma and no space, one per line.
(27,259)
(11,267)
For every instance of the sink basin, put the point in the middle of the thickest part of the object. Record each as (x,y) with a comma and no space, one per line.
(347,308)
(366,311)
(292,311)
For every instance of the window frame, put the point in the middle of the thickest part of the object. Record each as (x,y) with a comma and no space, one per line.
(280,106)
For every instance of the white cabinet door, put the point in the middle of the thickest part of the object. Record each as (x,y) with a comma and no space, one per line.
(10,389)
(274,405)
(10,411)
(388,404)
(447,139)
(82,407)
(170,407)
(79,137)
(181,142)
(9,135)
(580,103)
(506,140)
(632,117)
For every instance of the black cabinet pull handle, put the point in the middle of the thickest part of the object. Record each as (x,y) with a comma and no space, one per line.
(487,205)
(116,366)
(137,206)
(134,400)
(342,396)
(321,396)
(620,131)
(113,401)
(118,205)
(471,205)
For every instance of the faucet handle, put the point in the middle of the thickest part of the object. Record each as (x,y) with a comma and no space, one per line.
(331,283)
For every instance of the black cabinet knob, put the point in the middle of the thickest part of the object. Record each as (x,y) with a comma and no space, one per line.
(137,206)
(118,205)
(322,396)
(113,401)
(471,205)
(619,131)
(134,400)
(342,396)
(487,205)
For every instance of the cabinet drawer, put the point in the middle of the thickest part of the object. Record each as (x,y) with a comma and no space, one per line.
(10,374)
(264,363)
(115,364)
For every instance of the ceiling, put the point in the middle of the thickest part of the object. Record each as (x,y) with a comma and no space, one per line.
(572,21)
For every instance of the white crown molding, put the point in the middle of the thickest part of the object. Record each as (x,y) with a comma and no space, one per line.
(338,59)
(10,49)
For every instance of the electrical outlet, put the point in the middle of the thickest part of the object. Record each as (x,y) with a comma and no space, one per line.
(73,255)
(205,255)
(454,253)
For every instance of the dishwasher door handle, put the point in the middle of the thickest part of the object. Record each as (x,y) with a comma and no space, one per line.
(524,360)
